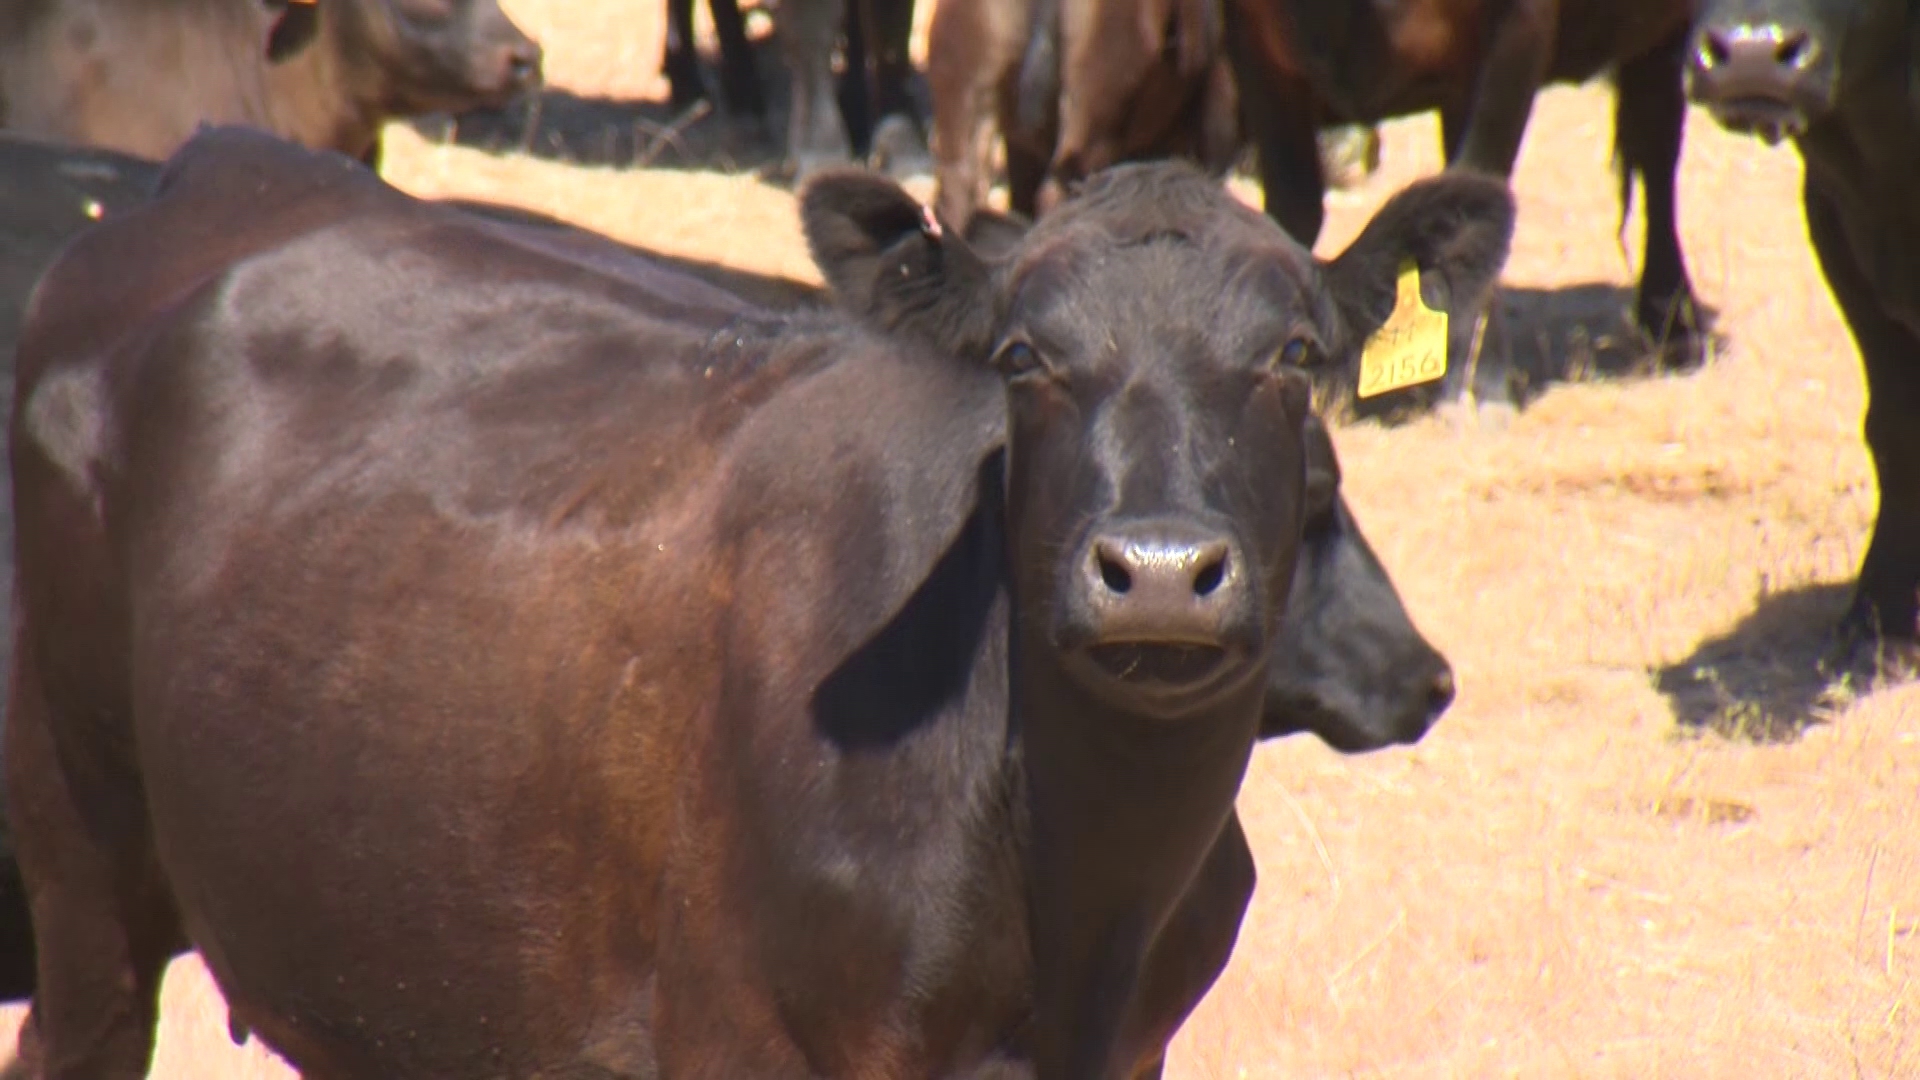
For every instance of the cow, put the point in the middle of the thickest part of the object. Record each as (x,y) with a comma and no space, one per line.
(1301,65)
(1349,667)
(1073,86)
(1837,76)
(606,681)
(132,76)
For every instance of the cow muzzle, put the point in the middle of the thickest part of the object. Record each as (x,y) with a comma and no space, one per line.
(1160,610)
(1761,78)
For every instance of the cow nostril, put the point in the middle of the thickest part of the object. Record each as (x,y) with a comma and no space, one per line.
(523,63)
(1440,692)
(1795,49)
(1113,573)
(1211,575)
(1713,50)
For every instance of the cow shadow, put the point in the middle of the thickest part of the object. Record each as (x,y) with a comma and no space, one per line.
(1543,337)
(559,125)
(1772,677)
(1586,333)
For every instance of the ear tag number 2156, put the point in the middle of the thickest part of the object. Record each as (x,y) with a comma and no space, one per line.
(1410,348)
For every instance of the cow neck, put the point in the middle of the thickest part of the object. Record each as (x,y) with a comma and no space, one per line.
(323,98)
(1122,810)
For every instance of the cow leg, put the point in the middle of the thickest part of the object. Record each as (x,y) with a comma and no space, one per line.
(891,45)
(1649,121)
(1501,99)
(972,50)
(1886,601)
(855,88)
(1027,173)
(103,920)
(739,74)
(682,62)
(1277,113)
(815,135)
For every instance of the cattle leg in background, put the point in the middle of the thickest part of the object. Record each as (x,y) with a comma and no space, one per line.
(739,73)
(973,49)
(816,135)
(1649,124)
(1279,113)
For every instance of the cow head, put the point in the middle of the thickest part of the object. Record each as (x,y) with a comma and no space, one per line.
(1349,665)
(1773,67)
(434,55)
(1152,333)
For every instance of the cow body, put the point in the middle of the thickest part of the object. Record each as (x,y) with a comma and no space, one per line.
(139,76)
(608,680)
(1073,86)
(1350,667)
(1301,65)
(1838,76)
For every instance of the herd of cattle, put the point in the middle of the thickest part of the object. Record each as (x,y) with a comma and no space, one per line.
(502,651)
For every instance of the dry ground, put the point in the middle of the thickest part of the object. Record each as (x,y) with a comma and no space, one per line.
(1648,841)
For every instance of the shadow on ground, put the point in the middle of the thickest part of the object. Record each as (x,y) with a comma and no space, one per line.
(560,125)
(1772,676)
(1581,333)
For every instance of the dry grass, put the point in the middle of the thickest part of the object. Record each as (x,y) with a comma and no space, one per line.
(1624,853)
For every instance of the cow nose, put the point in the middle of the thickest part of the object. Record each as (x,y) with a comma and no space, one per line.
(1766,78)
(521,62)
(1440,692)
(1768,51)
(1164,583)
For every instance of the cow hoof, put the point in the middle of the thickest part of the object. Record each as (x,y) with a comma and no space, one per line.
(898,149)
(1679,332)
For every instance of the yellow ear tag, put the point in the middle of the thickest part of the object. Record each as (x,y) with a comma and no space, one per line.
(1410,348)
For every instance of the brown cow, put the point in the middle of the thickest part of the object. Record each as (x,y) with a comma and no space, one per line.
(500,667)
(1072,86)
(139,77)
(1479,62)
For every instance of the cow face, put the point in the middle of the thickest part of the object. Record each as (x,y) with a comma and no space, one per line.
(440,55)
(1773,67)
(1349,666)
(1151,333)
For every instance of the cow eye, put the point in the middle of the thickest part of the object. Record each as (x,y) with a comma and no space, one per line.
(1298,352)
(1017,358)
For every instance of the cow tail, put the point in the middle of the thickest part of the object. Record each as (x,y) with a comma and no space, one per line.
(1038,89)
(1628,167)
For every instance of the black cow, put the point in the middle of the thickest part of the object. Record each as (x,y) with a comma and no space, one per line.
(496,666)
(1839,76)
(138,77)
(1302,65)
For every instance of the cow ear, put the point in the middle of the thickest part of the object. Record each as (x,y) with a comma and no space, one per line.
(1456,227)
(891,262)
(294,27)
